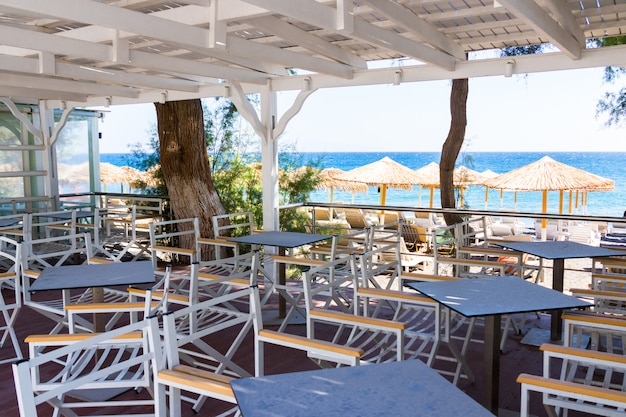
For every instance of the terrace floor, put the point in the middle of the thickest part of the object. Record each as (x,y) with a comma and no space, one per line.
(516,358)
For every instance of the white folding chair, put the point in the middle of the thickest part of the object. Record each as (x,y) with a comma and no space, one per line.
(75,372)
(201,342)
(125,228)
(10,265)
(166,238)
(381,340)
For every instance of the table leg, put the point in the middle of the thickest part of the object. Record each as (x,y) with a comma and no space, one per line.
(282,280)
(556,324)
(97,295)
(491,384)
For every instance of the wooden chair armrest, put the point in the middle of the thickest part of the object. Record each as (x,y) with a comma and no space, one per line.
(219,242)
(196,383)
(63,339)
(417,276)
(594,318)
(305,343)
(107,307)
(570,389)
(297,261)
(354,319)
(573,353)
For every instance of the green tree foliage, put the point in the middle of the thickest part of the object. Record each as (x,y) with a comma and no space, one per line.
(613,103)
(523,50)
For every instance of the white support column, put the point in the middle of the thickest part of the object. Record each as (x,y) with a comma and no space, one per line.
(46,117)
(269,160)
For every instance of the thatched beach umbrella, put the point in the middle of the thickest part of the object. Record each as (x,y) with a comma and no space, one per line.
(463,178)
(430,178)
(109,173)
(546,175)
(383,173)
(486,175)
(329,180)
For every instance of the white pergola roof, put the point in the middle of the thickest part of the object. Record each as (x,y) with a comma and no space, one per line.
(93,53)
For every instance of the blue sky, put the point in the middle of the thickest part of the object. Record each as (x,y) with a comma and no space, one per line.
(552,111)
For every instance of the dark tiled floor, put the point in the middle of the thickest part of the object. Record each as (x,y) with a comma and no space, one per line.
(515,358)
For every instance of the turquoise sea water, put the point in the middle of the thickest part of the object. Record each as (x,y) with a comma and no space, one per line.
(606,164)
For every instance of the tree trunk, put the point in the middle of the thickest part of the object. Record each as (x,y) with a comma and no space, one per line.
(452,146)
(185,165)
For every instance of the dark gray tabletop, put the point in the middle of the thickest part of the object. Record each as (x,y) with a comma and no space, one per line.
(282,239)
(96,275)
(401,389)
(478,297)
(11,221)
(559,249)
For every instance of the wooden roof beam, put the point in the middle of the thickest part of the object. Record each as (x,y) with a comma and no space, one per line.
(61,85)
(104,53)
(326,17)
(287,31)
(108,76)
(413,24)
(126,22)
(22,93)
(543,23)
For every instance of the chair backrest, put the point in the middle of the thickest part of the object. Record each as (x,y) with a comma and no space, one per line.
(415,237)
(10,277)
(582,234)
(320,214)
(233,224)
(356,218)
(337,276)
(58,367)
(43,224)
(174,238)
(382,259)
(38,254)
(221,328)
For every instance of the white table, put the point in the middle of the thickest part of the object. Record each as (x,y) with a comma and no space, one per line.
(490,297)
(398,389)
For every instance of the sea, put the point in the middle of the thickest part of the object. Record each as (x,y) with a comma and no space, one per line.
(610,165)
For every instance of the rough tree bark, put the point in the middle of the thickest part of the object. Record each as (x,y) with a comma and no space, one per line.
(452,146)
(185,165)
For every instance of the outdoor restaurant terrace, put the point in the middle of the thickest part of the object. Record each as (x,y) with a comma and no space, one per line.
(398,286)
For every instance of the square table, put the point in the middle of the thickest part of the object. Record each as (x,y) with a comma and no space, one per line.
(94,276)
(9,221)
(490,297)
(281,240)
(399,389)
(558,251)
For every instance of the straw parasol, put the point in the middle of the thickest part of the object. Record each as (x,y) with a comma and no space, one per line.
(463,178)
(430,178)
(486,175)
(546,175)
(109,173)
(383,173)
(329,180)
